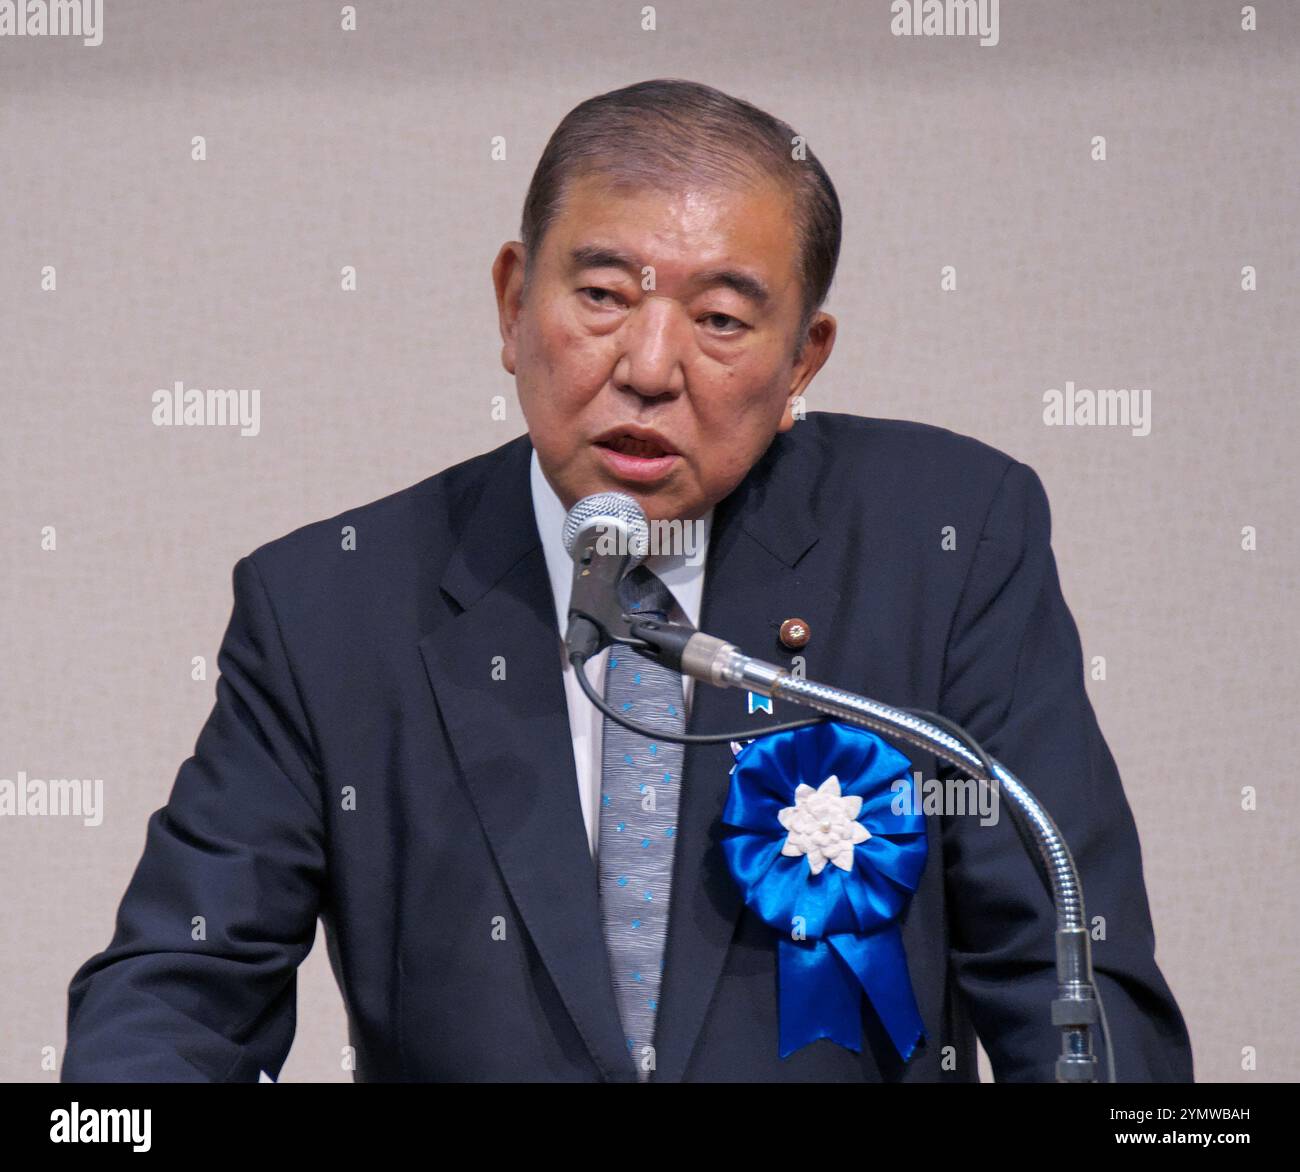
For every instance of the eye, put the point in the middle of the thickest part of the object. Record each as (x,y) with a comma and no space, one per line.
(723,318)
(595,294)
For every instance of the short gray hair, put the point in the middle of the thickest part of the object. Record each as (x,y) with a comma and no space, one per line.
(653,132)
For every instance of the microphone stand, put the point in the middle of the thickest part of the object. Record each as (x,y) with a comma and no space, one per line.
(1077,1007)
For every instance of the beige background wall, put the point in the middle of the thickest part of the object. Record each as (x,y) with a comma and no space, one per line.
(372,148)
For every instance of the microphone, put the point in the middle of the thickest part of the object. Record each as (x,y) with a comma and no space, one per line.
(607,535)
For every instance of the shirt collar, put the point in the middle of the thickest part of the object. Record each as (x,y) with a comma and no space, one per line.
(683,576)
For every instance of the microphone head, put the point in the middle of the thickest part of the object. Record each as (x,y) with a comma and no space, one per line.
(617,516)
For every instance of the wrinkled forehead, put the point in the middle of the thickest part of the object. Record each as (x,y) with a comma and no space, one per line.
(680,226)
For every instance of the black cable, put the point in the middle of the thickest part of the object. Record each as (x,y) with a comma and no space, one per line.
(1105,1031)
(960,734)
(578,660)
(1022,829)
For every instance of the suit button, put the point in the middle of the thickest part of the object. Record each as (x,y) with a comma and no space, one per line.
(795,633)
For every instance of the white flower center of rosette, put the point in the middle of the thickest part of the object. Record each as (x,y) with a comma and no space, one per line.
(823,826)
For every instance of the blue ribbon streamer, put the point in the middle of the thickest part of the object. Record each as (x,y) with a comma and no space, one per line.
(839,934)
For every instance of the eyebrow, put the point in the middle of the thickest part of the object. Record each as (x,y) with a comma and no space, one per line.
(591,256)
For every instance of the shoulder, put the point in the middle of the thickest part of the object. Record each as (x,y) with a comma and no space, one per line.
(899,448)
(410,531)
(905,477)
(910,463)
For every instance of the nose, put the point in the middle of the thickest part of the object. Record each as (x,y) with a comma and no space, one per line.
(654,341)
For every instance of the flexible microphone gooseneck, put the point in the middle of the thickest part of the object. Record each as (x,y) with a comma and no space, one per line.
(607,535)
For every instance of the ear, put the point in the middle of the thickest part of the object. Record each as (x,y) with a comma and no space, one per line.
(813,352)
(508,280)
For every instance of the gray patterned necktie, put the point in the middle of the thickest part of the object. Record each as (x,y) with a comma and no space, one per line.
(640,781)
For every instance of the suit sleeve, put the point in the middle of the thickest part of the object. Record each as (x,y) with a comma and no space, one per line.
(199,980)
(1013,677)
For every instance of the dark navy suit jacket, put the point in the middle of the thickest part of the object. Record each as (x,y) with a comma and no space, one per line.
(362,764)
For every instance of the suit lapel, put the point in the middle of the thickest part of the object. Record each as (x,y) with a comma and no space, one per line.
(752,583)
(512,739)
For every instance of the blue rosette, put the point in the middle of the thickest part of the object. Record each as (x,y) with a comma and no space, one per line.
(819,834)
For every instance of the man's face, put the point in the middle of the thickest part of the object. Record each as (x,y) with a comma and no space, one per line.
(669,315)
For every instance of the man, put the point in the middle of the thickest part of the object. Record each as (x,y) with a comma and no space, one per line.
(398,746)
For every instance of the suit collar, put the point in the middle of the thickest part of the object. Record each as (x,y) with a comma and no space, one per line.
(495,529)
(774,503)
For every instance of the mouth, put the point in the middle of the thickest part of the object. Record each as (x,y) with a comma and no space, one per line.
(640,457)
(631,445)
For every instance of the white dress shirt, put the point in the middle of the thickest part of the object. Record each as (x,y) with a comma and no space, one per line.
(683,576)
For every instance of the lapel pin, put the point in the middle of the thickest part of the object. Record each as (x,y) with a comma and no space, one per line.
(795,633)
